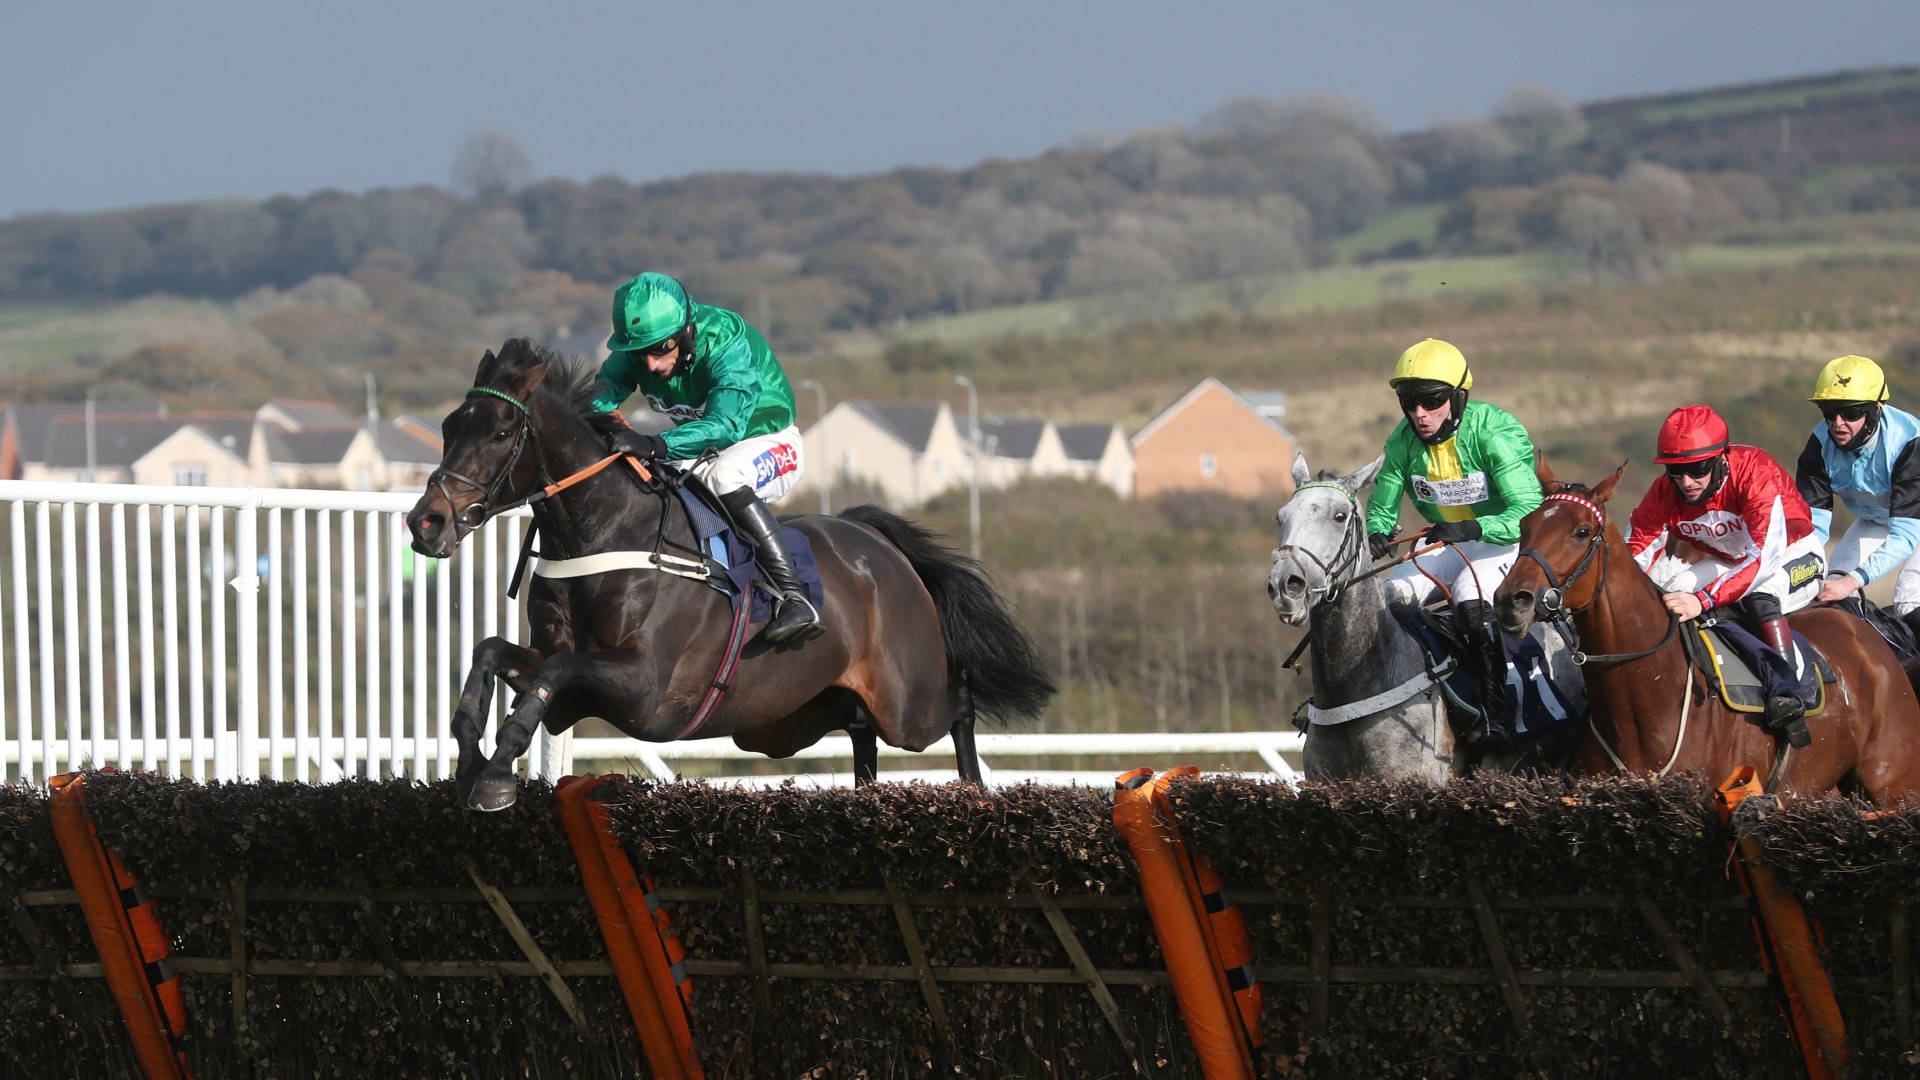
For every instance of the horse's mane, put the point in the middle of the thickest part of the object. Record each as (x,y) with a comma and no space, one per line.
(571,382)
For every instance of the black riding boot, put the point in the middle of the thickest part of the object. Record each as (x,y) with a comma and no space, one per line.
(794,618)
(1786,713)
(1489,656)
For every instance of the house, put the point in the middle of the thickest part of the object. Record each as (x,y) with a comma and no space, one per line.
(191,451)
(1015,448)
(910,452)
(24,428)
(1101,453)
(412,449)
(1212,439)
(345,458)
(304,415)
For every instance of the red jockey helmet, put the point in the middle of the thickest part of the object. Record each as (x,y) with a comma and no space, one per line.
(1690,433)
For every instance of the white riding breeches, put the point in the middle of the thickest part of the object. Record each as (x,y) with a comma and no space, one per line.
(1862,540)
(1674,575)
(1473,571)
(769,464)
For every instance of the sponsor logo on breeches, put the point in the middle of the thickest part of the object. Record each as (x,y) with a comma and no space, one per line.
(1802,570)
(775,463)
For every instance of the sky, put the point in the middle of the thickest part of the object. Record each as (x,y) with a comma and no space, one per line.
(117,104)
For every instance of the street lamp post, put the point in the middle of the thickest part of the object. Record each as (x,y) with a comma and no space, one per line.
(826,459)
(973,442)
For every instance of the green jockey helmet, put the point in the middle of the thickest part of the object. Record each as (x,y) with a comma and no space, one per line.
(648,310)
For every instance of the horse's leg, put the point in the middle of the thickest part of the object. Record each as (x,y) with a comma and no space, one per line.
(496,657)
(866,754)
(965,757)
(606,677)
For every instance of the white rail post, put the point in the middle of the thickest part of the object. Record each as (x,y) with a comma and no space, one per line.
(246,585)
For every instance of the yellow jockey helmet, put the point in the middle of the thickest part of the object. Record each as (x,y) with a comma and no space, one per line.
(1850,378)
(1433,360)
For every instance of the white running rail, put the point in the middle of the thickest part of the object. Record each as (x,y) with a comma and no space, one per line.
(242,633)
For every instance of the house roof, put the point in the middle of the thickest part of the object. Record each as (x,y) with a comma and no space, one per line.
(32,423)
(1209,383)
(324,447)
(123,442)
(1012,437)
(313,414)
(911,424)
(1271,404)
(1085,442)
(401,443)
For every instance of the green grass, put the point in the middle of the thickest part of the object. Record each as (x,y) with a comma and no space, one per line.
(1413,223)
(1343,288)
(1762,100)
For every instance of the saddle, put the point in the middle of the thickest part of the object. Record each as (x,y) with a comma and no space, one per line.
(1537,705)
(1743,672)
(720,542)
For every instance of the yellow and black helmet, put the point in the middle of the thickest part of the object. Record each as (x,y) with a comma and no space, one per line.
(1850,378)
(1433,360)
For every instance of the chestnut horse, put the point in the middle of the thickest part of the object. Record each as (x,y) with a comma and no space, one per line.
(1651,714)
(917,639)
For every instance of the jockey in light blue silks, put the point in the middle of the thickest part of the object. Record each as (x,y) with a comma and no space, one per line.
(1867,453)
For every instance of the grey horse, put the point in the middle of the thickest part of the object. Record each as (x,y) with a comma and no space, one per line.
(1376,712)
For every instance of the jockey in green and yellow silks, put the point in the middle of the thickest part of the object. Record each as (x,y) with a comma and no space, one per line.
(1468,466)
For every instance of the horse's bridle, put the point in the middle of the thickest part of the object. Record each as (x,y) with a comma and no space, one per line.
(1552,598)
(1344,559)
(489,492)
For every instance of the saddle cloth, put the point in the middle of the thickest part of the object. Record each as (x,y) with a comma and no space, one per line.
(1744,671)
(1537,705)
(728,548)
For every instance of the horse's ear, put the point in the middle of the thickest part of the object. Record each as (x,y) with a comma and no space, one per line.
(489,365)
(1361,476)
(1541,469)
(1301,474)
(1604,489)
(522,368)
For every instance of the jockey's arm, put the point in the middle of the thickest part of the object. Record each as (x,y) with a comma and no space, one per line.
(615,383)
(728,407)
(1815,486)
(1389,484)
(1510,474)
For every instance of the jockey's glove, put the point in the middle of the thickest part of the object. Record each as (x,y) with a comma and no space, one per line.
(1380,544)
(1454,532)
(641,444)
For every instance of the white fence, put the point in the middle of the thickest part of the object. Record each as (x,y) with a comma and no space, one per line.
(240,633)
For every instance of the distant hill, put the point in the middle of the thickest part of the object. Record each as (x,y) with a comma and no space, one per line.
(411,282)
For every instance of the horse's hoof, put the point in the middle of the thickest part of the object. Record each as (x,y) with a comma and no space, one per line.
(491,795)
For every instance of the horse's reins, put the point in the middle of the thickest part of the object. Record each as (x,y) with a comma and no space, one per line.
(1562,619)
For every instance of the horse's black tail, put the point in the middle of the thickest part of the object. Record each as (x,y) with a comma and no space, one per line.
(985,646)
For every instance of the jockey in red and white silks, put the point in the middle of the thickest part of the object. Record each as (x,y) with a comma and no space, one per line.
(1751,527)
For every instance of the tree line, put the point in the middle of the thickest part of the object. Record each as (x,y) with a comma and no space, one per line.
(1256,188)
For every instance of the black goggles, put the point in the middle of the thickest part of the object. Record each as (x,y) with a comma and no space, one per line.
(1851,411)
(662,348)
(1430,400)
(1692,469)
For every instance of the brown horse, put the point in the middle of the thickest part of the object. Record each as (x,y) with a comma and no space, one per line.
(1651,714)
(917,640)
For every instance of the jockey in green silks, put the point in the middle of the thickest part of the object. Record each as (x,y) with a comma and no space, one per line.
(716,378)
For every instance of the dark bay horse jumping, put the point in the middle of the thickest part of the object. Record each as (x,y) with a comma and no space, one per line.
(917,640)
(1648,712)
